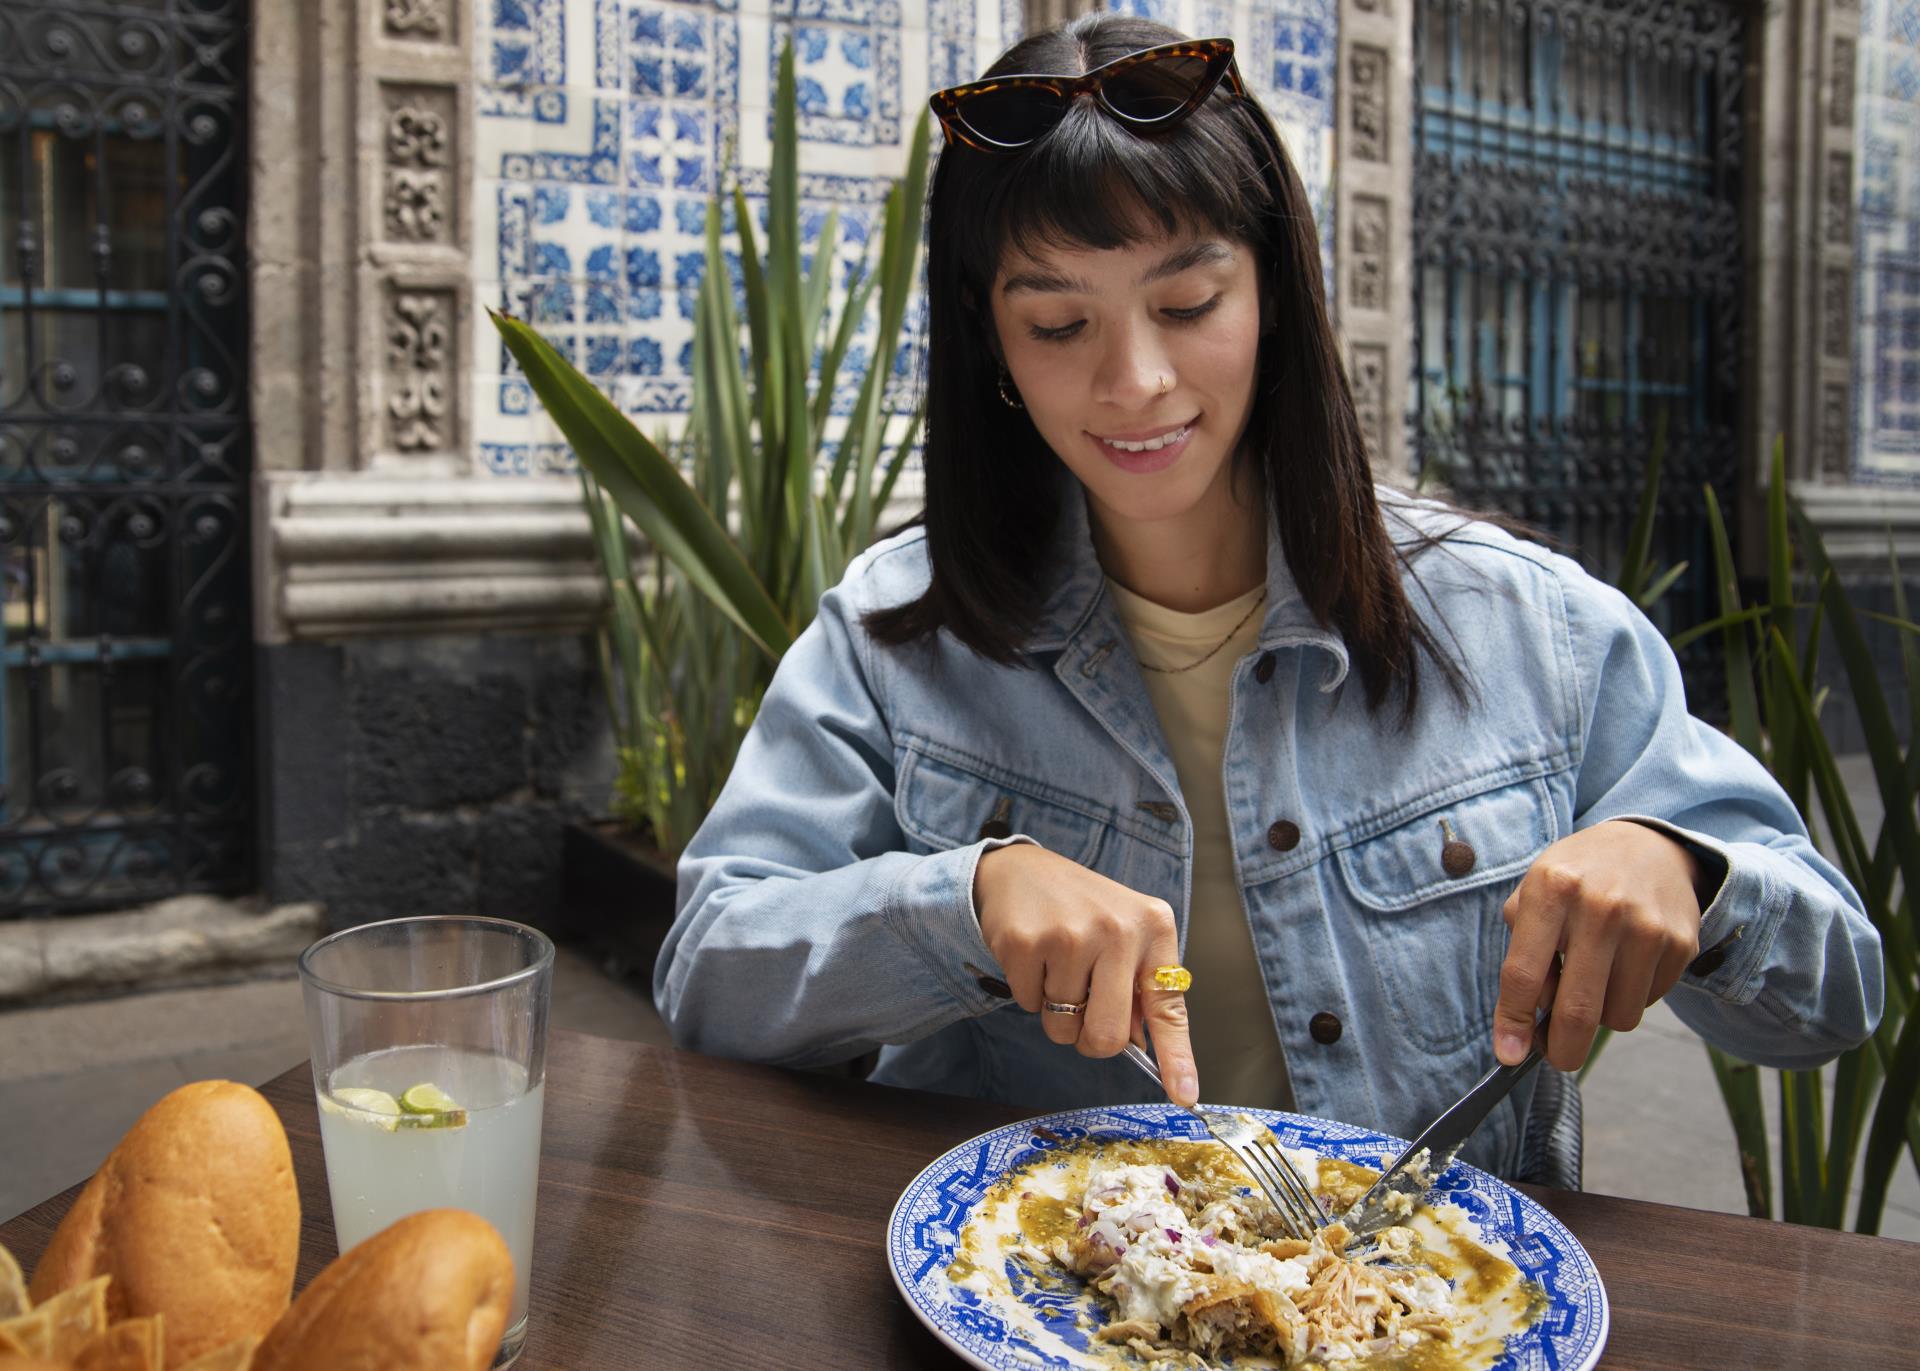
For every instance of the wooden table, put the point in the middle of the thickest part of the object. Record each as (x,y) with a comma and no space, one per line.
(696,1212)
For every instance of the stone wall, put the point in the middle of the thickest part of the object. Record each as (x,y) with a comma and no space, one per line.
(1883,421)
(424,583)
(429,774)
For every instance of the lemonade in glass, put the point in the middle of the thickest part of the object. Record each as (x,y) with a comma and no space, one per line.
(429,1041)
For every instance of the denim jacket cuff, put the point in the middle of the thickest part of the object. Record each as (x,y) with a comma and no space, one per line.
(1736,924)
(931,908)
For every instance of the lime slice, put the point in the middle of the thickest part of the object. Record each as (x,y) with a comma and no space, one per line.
(376,1107)
(426,1099)
(428,1106)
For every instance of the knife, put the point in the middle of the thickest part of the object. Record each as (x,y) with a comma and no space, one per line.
(1412,1176)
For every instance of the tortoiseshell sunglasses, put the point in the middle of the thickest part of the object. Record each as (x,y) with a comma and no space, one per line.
(1148,90)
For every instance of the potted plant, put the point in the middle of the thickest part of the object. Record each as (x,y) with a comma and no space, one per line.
(1772,652)
(747,523)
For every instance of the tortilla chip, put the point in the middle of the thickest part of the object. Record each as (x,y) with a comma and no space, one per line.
(17,1361)
(235,1356)
(25,1336)
(130,1345)
(13,1287)
(73,1318)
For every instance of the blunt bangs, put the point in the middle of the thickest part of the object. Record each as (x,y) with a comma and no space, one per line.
(1093,184)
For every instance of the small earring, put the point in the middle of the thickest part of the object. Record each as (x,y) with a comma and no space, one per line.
(1008,395)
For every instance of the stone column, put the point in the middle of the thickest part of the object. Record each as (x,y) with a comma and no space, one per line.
(1373,217)
(1802,198)
(363,329)
(418,752)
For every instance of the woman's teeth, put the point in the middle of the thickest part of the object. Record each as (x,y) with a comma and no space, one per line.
(1151,445)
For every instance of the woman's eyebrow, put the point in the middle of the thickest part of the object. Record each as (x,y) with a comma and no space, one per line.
(1042,279)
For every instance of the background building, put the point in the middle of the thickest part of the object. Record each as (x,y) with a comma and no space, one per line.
(297,582)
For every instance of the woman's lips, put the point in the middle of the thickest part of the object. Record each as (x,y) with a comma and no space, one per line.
(1154,459)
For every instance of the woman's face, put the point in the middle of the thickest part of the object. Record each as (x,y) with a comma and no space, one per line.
(1129,345)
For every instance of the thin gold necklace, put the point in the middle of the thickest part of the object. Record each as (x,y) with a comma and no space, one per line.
(1176,670)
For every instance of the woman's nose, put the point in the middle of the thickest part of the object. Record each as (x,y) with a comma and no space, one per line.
(1131,369)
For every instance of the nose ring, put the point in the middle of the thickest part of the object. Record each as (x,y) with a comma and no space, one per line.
(1166,384)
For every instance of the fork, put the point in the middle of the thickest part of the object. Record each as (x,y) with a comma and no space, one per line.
(1262,1157)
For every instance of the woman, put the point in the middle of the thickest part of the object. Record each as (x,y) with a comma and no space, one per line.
(1163,678)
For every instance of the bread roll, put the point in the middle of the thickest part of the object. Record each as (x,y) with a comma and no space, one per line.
(14,1361)
(195,1215)
(429,1293)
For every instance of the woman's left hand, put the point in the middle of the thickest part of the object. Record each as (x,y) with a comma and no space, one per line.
(1618,901)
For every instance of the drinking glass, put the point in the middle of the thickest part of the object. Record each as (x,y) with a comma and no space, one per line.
(429,1040)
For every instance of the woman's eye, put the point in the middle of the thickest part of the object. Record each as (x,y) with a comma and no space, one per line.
(1065,331)
(1196,312)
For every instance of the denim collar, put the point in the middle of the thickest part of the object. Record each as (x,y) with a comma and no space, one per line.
(1077,602)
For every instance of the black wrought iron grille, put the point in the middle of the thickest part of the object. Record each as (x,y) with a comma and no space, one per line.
(1578,273)
(125,716)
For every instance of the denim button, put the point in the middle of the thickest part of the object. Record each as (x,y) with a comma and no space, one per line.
(1715,957)
(1325,1028)
(993,985)
(1263,669)
(1284,836)
(1456,857)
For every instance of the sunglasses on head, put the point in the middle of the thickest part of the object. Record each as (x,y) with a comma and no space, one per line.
(1148,90)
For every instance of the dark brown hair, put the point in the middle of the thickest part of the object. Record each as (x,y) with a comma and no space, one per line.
(993,487)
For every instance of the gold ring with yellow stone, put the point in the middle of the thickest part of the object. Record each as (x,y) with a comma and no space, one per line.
(1175,978)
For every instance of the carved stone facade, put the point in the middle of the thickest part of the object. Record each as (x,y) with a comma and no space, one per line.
(1370,393)
(1802,250)
(1373,193)
(1368,270)
(419,369)
(1367,69)
(1842,79)
(426,21)
(1836,313)
(1839,214)
(419,164)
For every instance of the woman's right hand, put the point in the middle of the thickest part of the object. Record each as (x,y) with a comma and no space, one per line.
(1061,932)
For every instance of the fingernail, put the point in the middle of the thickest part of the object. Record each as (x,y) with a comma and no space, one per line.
(1509,1046)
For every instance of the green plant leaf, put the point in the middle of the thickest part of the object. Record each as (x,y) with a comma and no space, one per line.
(647,487)
(1740,1087)
(1634,569)
(1883,747)
(1662,583)
(1718,624)
(1890,1120)
(1741,702)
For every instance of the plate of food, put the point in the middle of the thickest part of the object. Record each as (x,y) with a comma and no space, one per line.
(1127,1237)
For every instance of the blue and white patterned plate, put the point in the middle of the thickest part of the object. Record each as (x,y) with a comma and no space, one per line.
(924,1232)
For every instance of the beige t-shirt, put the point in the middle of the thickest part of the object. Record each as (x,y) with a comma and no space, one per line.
(1234,1042)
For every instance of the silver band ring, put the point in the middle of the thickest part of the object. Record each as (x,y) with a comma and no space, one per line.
(1056,1007)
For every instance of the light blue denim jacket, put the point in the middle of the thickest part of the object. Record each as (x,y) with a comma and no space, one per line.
(825,907)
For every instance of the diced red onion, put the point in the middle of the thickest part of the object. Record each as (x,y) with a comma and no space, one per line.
(1208,1239)
(1173,1235)
(1173,1186)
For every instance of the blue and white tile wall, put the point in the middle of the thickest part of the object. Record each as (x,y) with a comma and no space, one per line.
(1887,283)
(599,125)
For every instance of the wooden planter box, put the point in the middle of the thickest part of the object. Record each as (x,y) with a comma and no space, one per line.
(619,893)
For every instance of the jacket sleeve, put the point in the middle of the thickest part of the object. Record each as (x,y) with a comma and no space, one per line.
(806,933)
(1790,972)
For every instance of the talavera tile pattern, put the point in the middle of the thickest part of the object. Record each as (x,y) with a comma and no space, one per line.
(1886,419)
(599,126)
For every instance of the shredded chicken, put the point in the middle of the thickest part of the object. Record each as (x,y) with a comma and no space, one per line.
(1188,1271)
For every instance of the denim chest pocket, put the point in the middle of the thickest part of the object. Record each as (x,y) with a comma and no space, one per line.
(1429,894)
(943,801)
